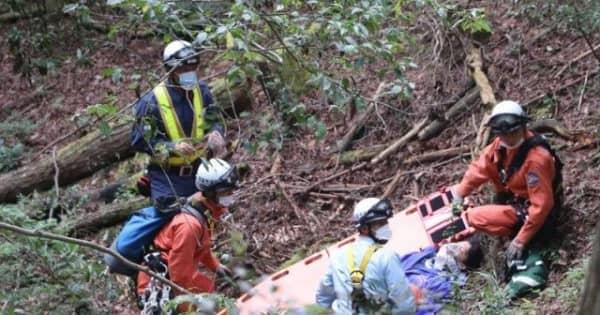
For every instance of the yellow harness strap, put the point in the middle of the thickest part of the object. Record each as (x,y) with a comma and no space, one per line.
(173,126)
(357,275)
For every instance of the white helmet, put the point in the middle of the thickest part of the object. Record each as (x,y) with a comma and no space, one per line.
(371,210)
(507,116)
(216,175)
(179,52)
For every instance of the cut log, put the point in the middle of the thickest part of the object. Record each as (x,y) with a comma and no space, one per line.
(107,216)
(552,125)
(94,151)
(423,158)
(436,155)
(476,67)
(434,128)
(400,142)
(487,94)
(359,155)
(591,294)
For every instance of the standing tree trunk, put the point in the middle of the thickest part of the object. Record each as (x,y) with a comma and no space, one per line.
(591,294)
(85,156)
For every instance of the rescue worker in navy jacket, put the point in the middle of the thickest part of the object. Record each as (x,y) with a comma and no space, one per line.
(171,124)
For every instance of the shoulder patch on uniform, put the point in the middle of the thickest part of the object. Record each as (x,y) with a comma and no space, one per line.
(532,179)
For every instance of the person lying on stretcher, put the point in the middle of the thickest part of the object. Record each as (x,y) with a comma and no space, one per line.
(432,273)
(365,278)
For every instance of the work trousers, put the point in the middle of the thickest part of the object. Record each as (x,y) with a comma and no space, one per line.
(493,219)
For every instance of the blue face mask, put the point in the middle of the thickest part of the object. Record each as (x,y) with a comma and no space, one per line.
(188,80)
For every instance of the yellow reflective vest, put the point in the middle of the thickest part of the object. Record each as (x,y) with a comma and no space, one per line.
(173,127)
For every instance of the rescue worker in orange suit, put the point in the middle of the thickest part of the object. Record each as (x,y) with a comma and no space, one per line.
(171,123)
(525,195)
(185,242)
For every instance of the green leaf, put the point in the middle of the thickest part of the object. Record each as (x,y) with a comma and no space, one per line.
(105,129)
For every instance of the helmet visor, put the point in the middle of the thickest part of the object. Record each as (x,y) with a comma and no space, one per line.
(380,211)
(185,56)
(506,123)
(227,182)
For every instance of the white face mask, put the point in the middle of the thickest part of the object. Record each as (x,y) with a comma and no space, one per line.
(226,201)
(188,80)
(383,233)
(510,147)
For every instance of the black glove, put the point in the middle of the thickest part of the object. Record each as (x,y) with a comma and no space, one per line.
(514,252)
(224,271)
(457,208)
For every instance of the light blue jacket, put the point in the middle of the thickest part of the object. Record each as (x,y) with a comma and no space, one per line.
(384,282)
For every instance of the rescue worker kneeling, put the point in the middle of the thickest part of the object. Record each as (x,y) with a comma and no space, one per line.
(364,278)
(185,242)
(525,173)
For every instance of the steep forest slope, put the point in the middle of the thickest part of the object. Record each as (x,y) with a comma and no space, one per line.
(72,69)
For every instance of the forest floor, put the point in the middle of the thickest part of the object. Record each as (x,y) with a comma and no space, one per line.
(523,60)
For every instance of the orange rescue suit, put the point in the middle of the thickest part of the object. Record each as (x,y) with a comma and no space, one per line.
(533,182)
(185,244)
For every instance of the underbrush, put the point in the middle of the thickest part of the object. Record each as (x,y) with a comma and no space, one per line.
(39,276)
(12,149)
(485,293)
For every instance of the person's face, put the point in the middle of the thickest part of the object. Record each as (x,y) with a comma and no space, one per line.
(225,198)
(364,230)
(459,250)
(182,69)
(512,138)
(377,225)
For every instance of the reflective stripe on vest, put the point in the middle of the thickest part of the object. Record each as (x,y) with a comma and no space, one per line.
(172,125)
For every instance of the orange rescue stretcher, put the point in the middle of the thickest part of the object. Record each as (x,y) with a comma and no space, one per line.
(426,223)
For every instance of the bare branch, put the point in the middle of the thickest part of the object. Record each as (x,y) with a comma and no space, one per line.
(94,246)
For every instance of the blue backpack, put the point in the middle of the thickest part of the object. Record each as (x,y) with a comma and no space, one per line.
(135,237)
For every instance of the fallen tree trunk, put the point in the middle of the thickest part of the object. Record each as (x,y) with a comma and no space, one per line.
(436,155)
(552,125)
(41,234)
(400,142)
(94,151)
(435,127)
(75,161)
(359,155)
(106,216)
(591,295)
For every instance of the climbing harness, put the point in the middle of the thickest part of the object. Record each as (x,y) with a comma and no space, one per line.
(357,275)
(156,295)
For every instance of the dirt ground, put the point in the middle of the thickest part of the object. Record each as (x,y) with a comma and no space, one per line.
(522,60)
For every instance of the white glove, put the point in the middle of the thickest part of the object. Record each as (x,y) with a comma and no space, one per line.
(456,198)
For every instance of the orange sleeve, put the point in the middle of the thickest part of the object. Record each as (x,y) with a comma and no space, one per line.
(211,262)
(540,174)
(183,270)
(478,172)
